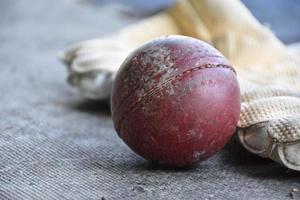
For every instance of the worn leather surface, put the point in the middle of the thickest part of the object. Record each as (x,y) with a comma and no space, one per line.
(54,145)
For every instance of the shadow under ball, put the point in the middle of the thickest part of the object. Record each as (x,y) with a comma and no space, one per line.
(175,101)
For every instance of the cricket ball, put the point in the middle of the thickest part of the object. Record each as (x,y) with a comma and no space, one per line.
(175,101)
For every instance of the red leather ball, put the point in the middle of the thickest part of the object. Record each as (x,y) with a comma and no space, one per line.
(175,101)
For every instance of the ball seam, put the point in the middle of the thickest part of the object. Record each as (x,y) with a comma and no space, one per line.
(139,86)
(154,88)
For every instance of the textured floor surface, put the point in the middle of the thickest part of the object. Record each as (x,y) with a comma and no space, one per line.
(54,145)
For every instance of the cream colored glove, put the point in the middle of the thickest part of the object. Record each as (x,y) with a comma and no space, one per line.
(268,71)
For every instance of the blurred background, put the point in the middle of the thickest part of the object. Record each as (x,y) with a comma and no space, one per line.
(281,16)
